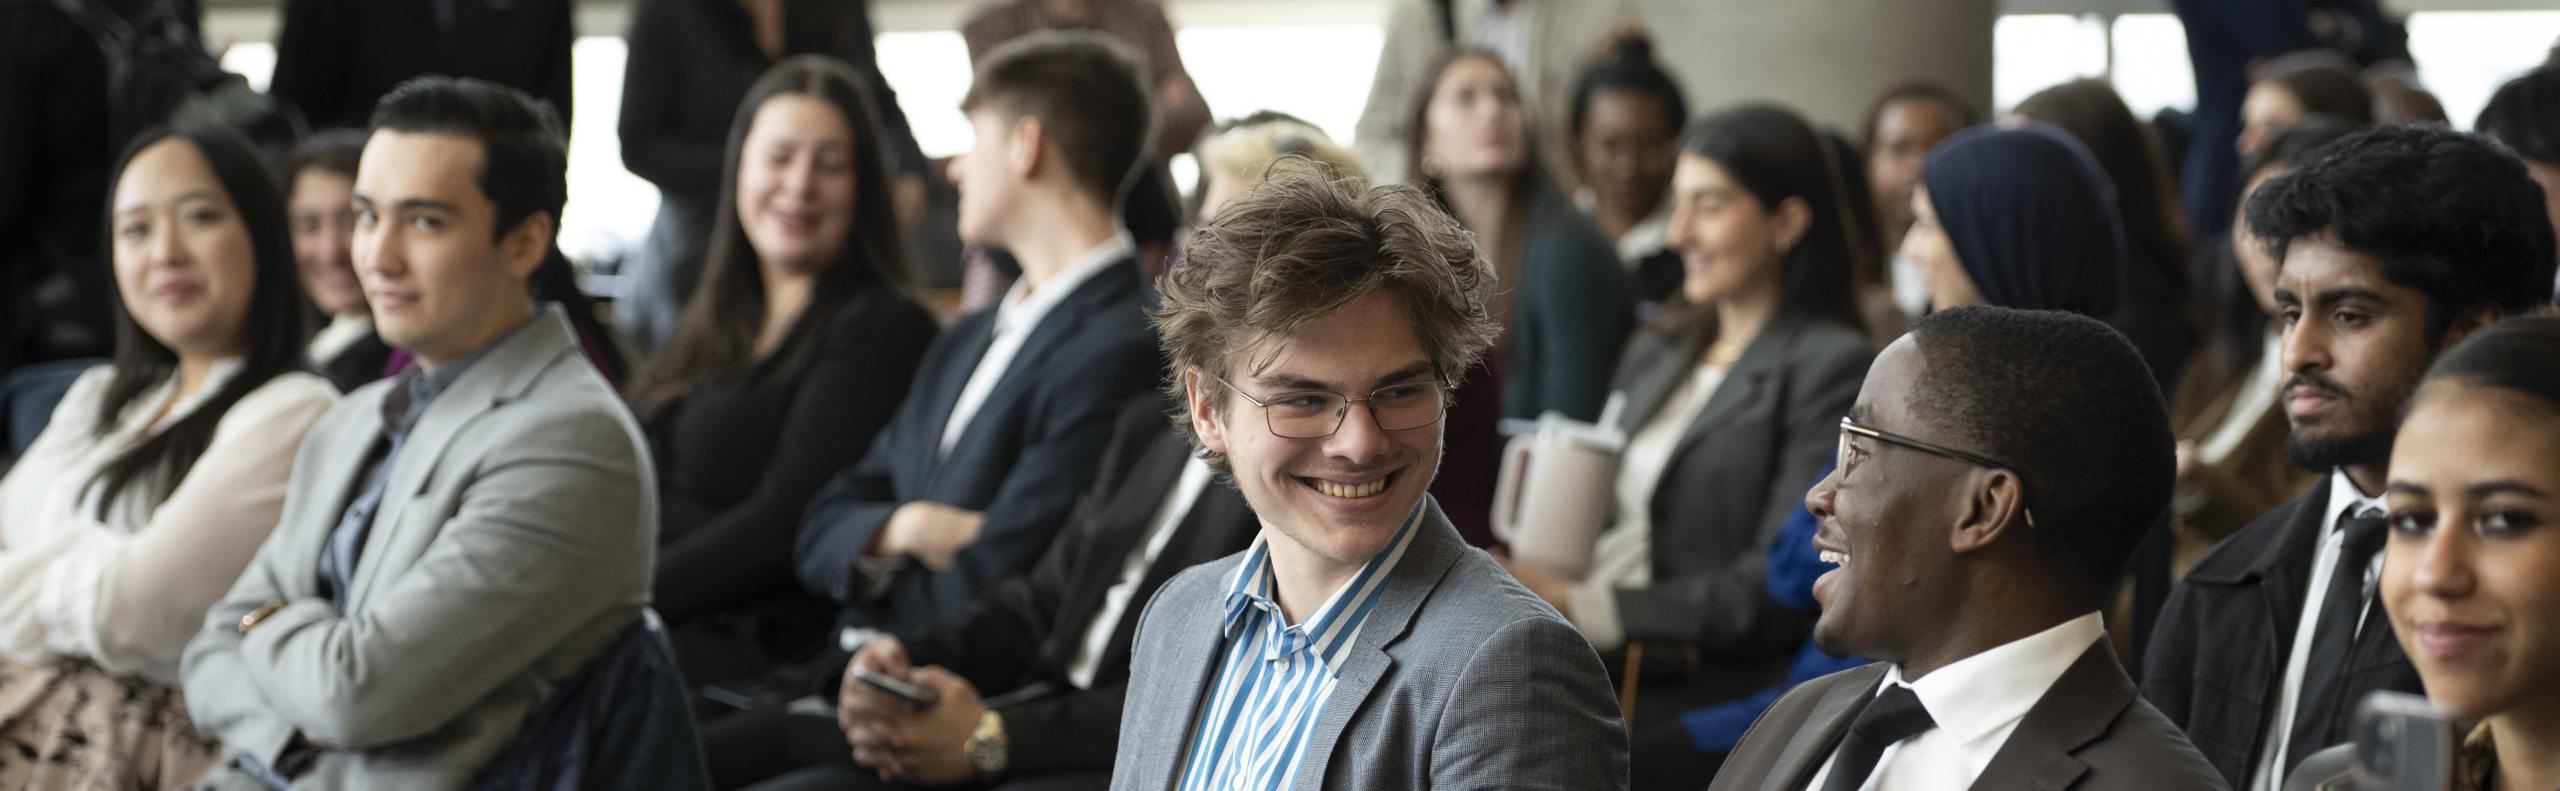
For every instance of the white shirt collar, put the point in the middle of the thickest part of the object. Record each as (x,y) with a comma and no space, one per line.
(1023,308)
(2342,493)
(1983,694)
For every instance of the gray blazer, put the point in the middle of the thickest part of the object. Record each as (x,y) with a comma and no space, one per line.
(1460,679)
(1744,463)
(515,540)
(2090,732)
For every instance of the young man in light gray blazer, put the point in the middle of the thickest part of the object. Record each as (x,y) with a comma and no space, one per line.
(1358,644)
(457,540)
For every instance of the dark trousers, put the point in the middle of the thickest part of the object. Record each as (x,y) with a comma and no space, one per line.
(770,749)
(837,778)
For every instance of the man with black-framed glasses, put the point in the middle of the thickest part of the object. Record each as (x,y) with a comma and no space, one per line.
(1358,643)
(1995,474)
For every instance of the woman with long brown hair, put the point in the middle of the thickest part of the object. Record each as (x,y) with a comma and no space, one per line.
(798,344)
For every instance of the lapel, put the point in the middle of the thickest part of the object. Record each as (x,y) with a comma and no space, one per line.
(1190,657)
(1122,527)
(502,376)
(1220,524)
(1428,559)
(1048,339)
(1655,365)
(1743,383)
(969,339)
(2080,707)
(2283,571)
(1824,727)
(332,476)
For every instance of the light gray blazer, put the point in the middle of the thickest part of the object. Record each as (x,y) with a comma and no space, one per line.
(514,541)
(1460,679)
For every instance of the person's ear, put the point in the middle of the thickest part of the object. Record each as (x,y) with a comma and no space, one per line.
(1203,393)
(1794,219)
(2468,322)
(1996,505)
(1027,151)
(525,246)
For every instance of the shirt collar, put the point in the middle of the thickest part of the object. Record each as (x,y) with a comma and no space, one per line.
(2343,495)
(1979,694)
(1022,308)
(1334,623)
(417,386)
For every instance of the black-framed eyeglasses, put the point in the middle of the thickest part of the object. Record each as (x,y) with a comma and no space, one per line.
(1848,456)
(1316,414)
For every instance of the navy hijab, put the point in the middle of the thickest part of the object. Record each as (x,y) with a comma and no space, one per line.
(2031,215)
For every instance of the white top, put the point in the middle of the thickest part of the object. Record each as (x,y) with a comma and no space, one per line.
(1646,239)
(1977,702)
(2344,501)
(1133,571)
(1623,557)
(333,340)
(129,591)
(1016,316)
(2257,395)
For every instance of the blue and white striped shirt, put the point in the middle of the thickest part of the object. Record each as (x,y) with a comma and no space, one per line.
(1272,680)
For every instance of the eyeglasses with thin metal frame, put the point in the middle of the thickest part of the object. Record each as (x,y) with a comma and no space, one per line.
(1848,459)
(1392,406)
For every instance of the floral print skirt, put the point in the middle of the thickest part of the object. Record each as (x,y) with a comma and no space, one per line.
(66,725)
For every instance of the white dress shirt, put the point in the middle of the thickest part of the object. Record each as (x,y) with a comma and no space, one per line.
(1977,702)
(2344,501)
(1016,316)
(1115,602)
(1623,555)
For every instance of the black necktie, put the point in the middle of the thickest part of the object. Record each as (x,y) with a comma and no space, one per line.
(1894,715)
(2324,678)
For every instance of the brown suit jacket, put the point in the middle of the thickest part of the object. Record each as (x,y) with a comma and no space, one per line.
(2090,732)
(2256,477)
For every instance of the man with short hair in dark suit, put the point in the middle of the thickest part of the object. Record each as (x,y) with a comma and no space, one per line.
(999,435)
(1995,474)
(2395,243)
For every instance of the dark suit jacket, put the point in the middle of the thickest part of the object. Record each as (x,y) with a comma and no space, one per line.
(2090,732)
(1025,632)
(1743,465)
(2217,657)
(359,364)
(336,58)
(1023,459)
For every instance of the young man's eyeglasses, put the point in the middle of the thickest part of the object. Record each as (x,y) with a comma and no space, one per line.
(1849,456)
(1317,414)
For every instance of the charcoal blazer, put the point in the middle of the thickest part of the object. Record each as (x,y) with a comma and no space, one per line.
(2090,732)
(1024,458)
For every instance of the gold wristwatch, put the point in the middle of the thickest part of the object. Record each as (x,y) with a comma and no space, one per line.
(987,747)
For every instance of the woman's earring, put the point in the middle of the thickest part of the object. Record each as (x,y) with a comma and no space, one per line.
(1433,167)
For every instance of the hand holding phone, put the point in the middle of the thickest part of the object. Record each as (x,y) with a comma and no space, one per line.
(902,688)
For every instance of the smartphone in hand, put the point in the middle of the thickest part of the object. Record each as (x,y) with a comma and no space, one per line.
(912,692)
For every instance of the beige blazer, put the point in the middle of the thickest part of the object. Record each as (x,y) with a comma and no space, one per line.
(514,542)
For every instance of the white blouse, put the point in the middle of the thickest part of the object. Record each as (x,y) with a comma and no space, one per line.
(129,591)
(1623,556)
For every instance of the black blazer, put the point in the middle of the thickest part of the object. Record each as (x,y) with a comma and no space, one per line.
(1024,458)
(1743,465)
(1025,631)
(359,364)
(336,58)
(2217,655)
(2090,732)
(738,461)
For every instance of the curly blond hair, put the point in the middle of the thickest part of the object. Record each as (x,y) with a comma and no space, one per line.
(1302,245)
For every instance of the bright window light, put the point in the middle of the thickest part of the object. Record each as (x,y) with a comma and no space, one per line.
(609,209)
(254,60)
(2152,70)
(931,73)
(2032,52)
(1326,81)
(2463,56)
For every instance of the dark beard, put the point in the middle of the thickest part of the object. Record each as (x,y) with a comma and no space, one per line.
(2329,453)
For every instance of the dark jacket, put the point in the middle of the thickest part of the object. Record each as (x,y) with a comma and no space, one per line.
(2090,732)
(1025,632)
(56,291)
(336,58)
(738,461)
(1571,312)
(1023,460)
(1743,464)
(2217,656)
(358,364)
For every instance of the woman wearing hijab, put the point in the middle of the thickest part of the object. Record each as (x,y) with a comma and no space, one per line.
(2017,218)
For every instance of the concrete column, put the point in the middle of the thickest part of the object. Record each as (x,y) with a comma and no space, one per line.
(1824,58)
